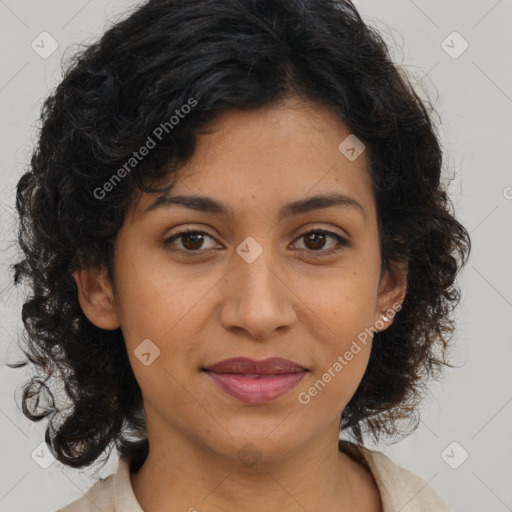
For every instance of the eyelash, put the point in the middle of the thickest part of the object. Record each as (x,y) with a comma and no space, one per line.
(342,242)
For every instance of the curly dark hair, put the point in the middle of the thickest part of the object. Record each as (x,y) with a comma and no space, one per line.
(225,54)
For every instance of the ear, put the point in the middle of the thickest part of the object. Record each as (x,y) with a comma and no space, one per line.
(391,294)
(96,297)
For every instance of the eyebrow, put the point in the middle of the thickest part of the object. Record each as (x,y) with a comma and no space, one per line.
(209,205)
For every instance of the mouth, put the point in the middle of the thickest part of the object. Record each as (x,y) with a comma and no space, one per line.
(256,381)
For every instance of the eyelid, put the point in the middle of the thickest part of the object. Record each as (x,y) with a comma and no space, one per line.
(300,232)
(343,241)
(175,236)
(326,229)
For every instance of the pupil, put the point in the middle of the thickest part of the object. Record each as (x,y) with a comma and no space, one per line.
(197,240)
(318,240)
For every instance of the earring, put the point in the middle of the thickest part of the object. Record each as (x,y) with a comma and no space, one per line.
(385,318)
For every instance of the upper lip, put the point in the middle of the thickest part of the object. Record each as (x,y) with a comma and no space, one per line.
(244,365)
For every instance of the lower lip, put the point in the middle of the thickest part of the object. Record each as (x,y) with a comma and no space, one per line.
(256,389)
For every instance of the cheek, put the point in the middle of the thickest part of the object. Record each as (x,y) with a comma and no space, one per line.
(343,303)
(344,309)
(333,386)
(155,298)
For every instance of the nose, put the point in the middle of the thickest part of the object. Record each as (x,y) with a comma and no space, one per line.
(257,298)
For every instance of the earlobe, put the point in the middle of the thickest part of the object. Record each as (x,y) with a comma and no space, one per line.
(96,297)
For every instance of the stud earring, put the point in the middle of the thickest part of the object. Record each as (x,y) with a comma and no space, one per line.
(385,318)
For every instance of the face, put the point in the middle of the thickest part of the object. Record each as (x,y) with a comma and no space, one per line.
(256,279)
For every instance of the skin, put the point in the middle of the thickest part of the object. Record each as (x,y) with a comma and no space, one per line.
(291,302)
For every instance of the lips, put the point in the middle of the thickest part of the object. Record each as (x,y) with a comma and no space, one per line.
(244,365)
(256,381)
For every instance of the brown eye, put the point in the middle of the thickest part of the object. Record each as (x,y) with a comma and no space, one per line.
(315,241)
(191,241)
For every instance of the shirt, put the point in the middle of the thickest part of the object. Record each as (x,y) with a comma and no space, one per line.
(400,490)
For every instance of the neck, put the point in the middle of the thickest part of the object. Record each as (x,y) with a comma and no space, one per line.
(179,474)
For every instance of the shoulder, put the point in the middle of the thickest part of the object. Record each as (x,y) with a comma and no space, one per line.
(399,488)
(99,497)
(111,494)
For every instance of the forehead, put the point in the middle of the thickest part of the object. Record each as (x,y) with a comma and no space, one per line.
(272,156)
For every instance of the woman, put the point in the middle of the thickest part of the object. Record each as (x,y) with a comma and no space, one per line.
(238,247)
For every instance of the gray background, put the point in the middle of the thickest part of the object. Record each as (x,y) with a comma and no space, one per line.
(473,95)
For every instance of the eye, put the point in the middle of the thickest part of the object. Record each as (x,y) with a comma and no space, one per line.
(315,241)
(191,240)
